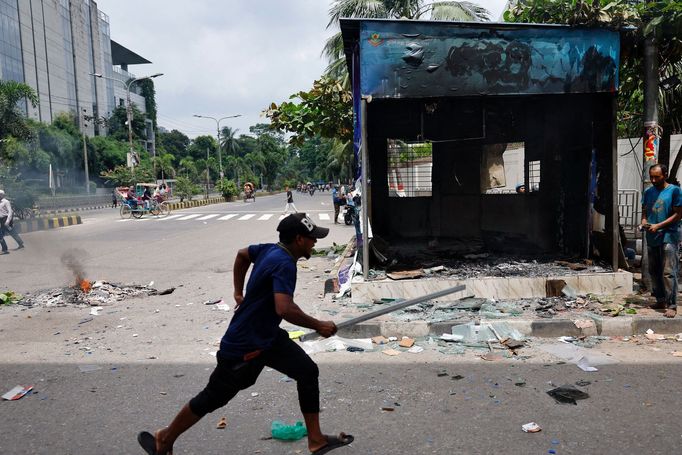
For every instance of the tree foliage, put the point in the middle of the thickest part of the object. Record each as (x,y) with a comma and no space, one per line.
(326,110)
(391,9)
(662,19)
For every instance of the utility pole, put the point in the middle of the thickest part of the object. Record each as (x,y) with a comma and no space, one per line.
(85,153)
(652,132)
(207,174)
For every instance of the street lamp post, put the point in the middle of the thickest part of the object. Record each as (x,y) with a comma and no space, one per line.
(217,124)
(129,108)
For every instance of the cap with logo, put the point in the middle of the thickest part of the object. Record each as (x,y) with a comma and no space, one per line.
(299,223)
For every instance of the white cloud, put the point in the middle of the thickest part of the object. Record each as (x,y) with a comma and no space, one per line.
(224,57)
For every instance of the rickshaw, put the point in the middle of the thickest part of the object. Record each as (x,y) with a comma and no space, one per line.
(135,209)
(249,192)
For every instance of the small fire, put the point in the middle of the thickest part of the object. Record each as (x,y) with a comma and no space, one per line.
(85,285)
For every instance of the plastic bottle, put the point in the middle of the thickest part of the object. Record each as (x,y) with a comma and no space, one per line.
(280,430)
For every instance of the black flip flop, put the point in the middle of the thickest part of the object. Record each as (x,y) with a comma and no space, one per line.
(148,443)
(334,442)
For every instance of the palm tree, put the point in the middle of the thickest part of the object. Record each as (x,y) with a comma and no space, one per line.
(228,141)
(392,9)
(165,163)
(340,160)
(13,121)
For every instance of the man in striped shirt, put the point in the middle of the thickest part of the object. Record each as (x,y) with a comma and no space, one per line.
(6,224)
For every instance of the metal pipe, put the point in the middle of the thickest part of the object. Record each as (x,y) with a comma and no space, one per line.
(365,195)
(389,309)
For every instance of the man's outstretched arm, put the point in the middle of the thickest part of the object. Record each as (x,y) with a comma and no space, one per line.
(241,265)
(292,313)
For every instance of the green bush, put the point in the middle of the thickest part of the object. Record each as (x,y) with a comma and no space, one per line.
(227,188)
(185,189)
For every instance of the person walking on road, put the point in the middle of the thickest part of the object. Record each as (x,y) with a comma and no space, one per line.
(254,339)
(661,213)
(6,224)
(290,202)
(114,198)
(336,200)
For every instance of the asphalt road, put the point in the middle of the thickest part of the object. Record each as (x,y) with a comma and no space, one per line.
(190,246)
(152,354)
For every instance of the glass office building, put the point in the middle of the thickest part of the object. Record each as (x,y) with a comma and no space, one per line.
(55,46)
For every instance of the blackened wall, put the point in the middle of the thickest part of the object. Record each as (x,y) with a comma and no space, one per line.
(559,130)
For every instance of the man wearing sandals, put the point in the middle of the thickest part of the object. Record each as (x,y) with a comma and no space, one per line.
(661,213)
(254,340)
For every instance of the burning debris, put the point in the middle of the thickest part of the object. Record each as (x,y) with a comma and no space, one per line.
(87,293)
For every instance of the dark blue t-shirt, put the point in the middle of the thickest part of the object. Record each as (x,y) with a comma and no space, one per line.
(658,206)
(255,323)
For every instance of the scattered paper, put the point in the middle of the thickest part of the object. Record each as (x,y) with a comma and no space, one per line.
(17,392)
(406,342)
(223,306)
(451,337)
(391,352)
(583,323)
(677,353)
(335,343)
(95,310)
(379,340)
(584,365)
(531,427)
(415,350)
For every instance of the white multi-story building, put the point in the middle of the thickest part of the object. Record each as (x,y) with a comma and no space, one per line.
(55,46)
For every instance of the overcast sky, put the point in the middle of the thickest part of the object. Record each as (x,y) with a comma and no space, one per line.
(226,57)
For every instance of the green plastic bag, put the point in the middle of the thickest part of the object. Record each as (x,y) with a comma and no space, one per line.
(288,432)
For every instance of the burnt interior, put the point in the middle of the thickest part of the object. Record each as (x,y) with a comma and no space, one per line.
(561,131)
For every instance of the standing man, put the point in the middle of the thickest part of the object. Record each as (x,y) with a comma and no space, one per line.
(6,221)
(661,213)
(290,202)
(254,340)
(337,203)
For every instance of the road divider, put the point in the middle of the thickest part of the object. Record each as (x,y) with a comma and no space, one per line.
(41,224)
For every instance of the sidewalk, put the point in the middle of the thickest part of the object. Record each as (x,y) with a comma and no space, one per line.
(596,315)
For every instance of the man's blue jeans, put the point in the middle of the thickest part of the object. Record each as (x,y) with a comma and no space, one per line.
(664,265)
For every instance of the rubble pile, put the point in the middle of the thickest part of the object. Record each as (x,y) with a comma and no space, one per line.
(484,265)
(99,293)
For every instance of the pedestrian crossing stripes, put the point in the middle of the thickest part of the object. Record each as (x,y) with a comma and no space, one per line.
(223,217)
(189,217)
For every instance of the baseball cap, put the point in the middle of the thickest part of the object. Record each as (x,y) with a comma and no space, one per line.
(299,223)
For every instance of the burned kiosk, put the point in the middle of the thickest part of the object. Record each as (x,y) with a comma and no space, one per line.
(499,133)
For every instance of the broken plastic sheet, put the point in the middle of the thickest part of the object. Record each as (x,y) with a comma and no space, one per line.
(346,275)
(473,334)
(576,354)
(335,343)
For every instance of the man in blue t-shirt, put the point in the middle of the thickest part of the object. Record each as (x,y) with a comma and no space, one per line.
(254,340)
(661,213)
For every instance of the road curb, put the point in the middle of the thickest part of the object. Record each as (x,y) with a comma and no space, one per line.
(75,209)
(197,203)
(540,328)
(42,224)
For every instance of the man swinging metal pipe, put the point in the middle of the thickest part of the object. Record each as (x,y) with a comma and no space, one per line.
(254,340)
(389,309)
